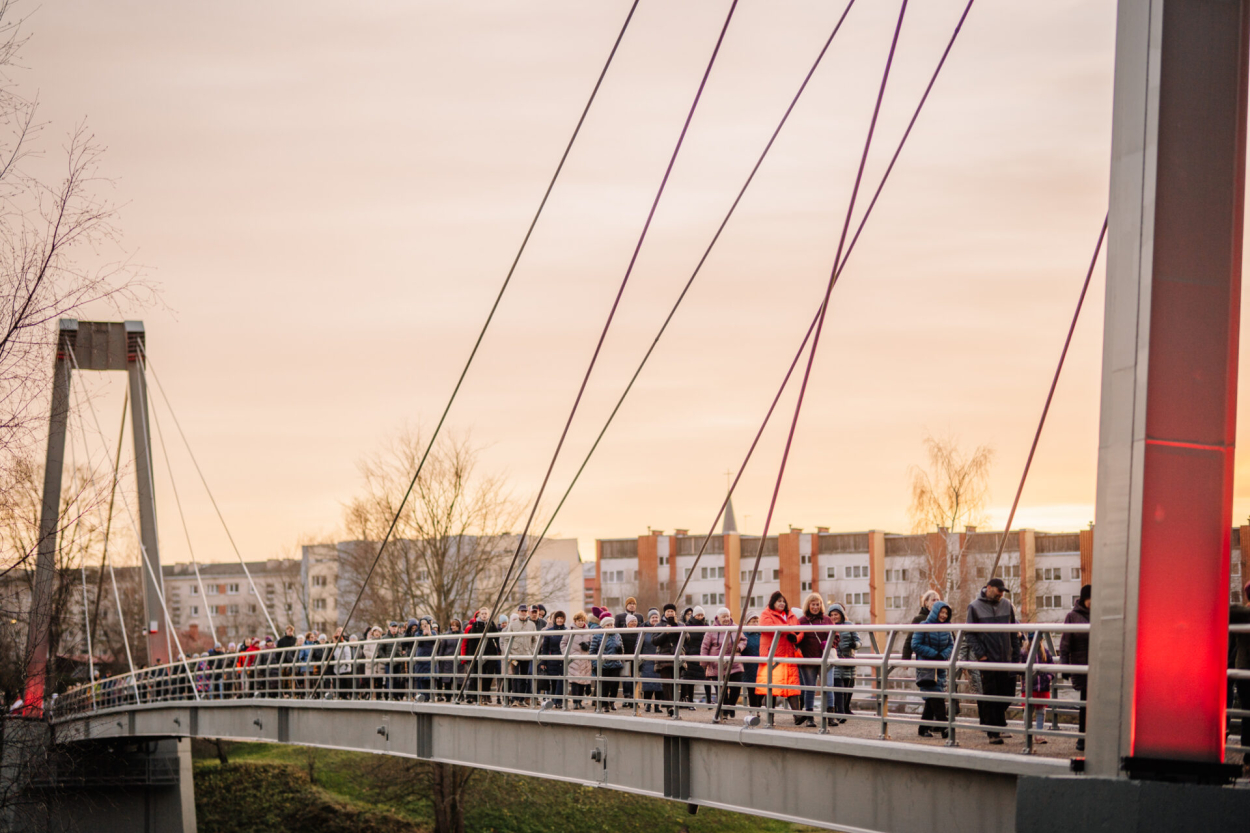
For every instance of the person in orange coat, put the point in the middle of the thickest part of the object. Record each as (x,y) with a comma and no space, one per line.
(785,676)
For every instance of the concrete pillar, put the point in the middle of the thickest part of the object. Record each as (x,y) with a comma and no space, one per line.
(1028,566)
(788,560)
(1169,383)
(1087,555)
(649,572)
(876,576)
(733,572)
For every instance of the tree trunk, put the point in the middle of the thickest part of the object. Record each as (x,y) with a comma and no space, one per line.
(222,747)
(448,799)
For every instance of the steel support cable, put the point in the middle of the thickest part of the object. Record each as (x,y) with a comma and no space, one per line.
(682,295)
(147,366)
(108,522)
(681,138)
(489,318)
(898,150)
(104,561)
(186,531)
(1050,395)
(143,552)
(811,356)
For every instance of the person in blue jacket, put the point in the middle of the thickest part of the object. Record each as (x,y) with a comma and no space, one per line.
(933,646)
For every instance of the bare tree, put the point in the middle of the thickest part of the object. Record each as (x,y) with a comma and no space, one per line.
(450,550)
(950,494)
(53,220)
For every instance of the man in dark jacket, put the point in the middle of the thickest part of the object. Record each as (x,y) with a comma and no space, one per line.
(926,604)
(666,642)
(630,641)
(1074,650)
(992,608)
(287,657)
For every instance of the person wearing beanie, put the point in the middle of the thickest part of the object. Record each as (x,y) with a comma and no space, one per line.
(716,644)
(1074,650)
(668,642)
(650,680)
(692,648)
(992,607)
(630,642)
(606,647)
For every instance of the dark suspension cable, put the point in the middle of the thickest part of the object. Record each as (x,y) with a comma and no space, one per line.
(680,298)
(681,138)
(1050,395)
(811,356)
(841,266)
(486,325)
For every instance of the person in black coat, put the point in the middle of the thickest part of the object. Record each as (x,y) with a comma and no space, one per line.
(445,667)
(666,642)
(1074,650)
(551,671)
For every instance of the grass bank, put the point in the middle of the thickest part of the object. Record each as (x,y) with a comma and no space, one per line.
(270,788)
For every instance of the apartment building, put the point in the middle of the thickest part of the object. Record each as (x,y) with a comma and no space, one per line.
(331,574)
(878,576)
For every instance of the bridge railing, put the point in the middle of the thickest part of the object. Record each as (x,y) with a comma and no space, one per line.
(662,674)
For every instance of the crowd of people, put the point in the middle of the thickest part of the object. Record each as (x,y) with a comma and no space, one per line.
(529,657)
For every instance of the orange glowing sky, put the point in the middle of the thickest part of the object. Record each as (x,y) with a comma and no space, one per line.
(329,195)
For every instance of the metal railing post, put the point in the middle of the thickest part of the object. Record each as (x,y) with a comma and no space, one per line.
(883,697)
(677,675)
(952,682)
(770,698)
(1034,642)
(825,688)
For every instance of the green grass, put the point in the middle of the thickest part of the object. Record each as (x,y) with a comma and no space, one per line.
(369,792)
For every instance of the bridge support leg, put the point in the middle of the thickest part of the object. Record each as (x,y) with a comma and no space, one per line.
(1169,385)
(130,785)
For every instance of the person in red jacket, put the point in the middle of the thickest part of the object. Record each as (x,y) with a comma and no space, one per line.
(782,677)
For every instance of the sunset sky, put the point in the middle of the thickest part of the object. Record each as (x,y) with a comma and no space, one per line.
(329,196)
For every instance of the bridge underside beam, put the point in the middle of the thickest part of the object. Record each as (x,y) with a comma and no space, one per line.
(839,783)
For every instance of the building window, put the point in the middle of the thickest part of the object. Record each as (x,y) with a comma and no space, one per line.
(663,560)
(896,575)
(688,572)
(1050,574)
(251,608)
(746,576)
(755,601)
(319,604)
(856,599)
(288,607)
(232,589)
(889,602)
(805,559)
(268,588)
(831,572)
(195,611)
(318,581)
(1049,602)
(195,591)
(776,575)
(806,586)
(635,575)
(1076,574)
(857,571)
(234,610)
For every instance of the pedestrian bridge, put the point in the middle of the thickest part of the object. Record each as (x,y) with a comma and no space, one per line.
(865,768)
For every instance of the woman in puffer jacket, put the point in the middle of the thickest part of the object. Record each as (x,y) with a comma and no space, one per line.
(581,672)
(842,677)
(783,677)
(716,644)
(933,646)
